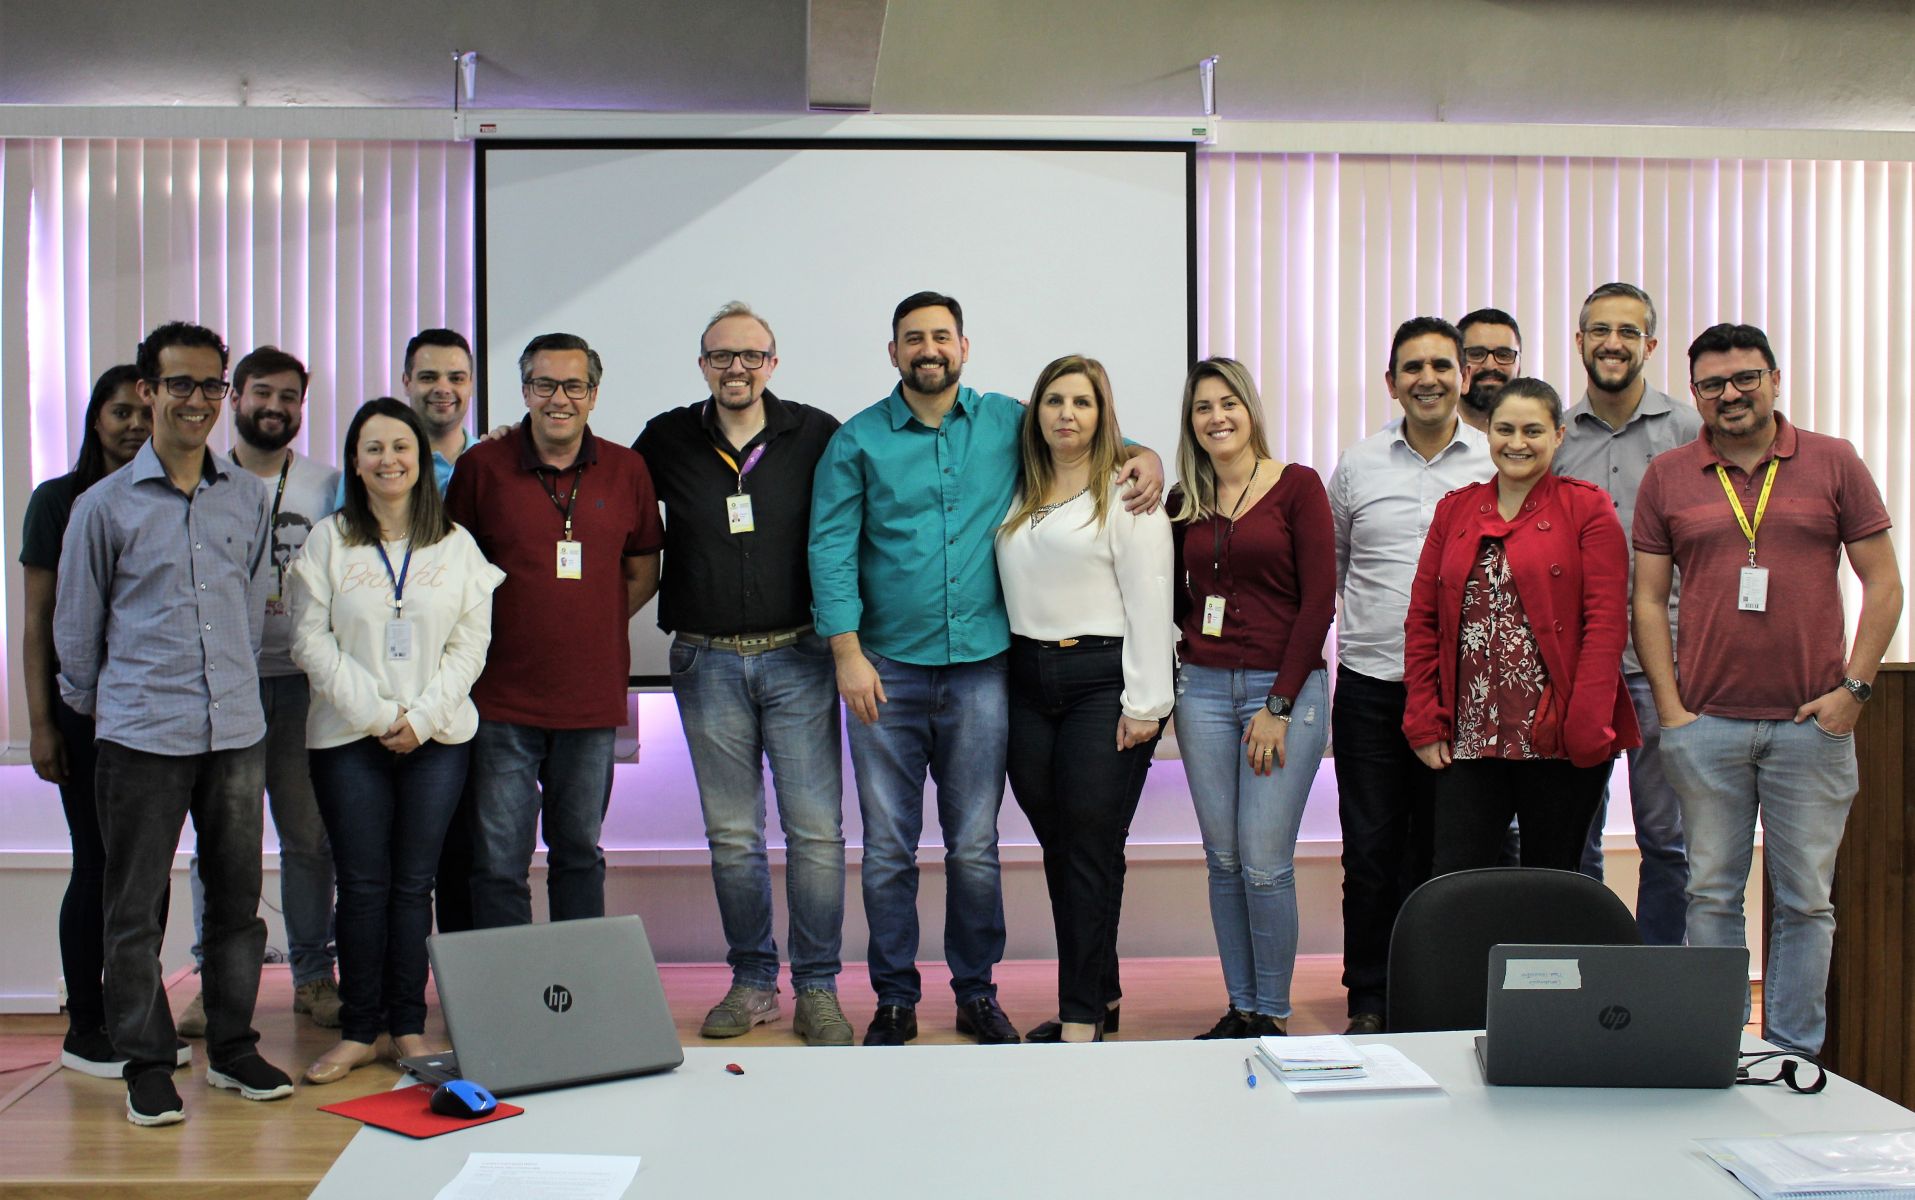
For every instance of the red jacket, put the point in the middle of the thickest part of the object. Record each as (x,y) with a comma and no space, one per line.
(1571,565)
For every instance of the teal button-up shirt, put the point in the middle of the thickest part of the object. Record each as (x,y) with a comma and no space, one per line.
(903,526)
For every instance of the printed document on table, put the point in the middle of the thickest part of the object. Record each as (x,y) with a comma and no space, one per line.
(1385,1069)
(542,1177)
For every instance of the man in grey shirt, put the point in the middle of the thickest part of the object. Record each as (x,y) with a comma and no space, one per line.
(1620,425)
(157,622)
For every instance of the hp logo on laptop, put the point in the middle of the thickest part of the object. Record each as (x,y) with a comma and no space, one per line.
(1613,1017)
(559,999)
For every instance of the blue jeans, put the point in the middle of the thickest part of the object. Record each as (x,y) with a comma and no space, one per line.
(953,721)
(1662,885)
(305,861)
(740,710)
(387,814)
(1249,822)
(527,778)
(144,800)
(1802,781)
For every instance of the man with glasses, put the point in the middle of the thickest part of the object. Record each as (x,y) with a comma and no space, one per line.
(1621,424)
(1492,348)
(753,680)
(1382,496)
(161,600)
(1758,708)
(572,521)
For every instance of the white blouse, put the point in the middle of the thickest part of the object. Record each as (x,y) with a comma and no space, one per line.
(342,604)
(1068,578)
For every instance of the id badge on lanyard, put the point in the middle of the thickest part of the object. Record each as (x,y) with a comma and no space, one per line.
(1752,590)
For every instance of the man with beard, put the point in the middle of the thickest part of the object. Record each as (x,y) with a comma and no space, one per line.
(753,680)
(1493,350)
(438,381)
(904,517)
(1758,717)
(269,402)
(1620,425)
(1382,497)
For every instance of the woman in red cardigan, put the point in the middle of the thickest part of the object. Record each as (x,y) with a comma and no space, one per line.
(1513,647)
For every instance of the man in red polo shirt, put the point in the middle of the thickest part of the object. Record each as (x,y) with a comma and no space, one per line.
(572,521)
(1761,713)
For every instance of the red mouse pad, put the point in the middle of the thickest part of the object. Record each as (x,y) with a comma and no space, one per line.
(409,1111)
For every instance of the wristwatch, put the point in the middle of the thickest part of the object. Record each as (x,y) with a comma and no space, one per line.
(1278,707)
(1856,688)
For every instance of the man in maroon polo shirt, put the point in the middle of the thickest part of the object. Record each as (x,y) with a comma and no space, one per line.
(1760,714)
(572,521)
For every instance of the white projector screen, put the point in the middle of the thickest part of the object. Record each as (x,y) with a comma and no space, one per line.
(1052,248)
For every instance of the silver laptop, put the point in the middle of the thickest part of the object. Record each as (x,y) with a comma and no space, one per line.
(1614,1016)
(545,1006)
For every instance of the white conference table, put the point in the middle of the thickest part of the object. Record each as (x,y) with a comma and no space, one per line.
(1113,1120)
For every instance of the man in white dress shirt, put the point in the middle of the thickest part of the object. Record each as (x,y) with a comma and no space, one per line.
(1382,496)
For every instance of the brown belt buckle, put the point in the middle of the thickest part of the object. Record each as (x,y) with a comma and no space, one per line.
(1066,643)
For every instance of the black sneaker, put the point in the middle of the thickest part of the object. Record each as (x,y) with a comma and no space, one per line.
(252,1077)
(93,1054)
(151,1099)
(1235,1023)
(1364,1023)
(892,1025)
(984,1020)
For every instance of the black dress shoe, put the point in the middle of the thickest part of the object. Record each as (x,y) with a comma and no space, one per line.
(984,1020)
(1045,1033)
(892,1025)
(1235,1023)
(1364,1023)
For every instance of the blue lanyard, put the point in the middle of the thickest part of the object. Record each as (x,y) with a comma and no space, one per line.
(398,580)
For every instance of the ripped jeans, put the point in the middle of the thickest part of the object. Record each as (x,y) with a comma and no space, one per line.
(1249,822)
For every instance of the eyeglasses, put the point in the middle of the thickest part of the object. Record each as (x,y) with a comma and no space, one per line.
(181,386)
(1744,381)
(1504,355)
(545,389)
(1600,333)
(751,360)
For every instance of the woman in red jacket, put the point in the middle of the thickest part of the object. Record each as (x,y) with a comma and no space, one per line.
(1513,647)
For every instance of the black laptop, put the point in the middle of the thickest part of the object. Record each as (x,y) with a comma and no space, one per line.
(1614,1016)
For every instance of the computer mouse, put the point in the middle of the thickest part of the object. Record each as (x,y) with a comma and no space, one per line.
(462,1098)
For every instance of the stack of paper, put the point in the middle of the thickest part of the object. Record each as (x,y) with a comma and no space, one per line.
(1820,1164)
(1333,1065)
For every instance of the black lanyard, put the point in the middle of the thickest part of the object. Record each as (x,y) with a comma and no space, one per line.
(552,494)
(1217,528)
(272,528)
(398,580)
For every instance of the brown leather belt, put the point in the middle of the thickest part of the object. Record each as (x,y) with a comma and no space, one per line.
(749,643)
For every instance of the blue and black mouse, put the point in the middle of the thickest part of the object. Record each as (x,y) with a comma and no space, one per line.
(463,1098)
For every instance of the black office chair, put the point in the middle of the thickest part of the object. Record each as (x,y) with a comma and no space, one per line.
(1439,949)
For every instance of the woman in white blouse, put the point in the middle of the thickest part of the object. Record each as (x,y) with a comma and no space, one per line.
(1088,588)
(392,613)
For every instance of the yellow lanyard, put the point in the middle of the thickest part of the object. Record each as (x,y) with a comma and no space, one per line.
(1761,505)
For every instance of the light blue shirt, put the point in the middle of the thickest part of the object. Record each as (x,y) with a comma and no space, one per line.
(903,525)
(161,604)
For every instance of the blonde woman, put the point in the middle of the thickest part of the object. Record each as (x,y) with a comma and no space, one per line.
(1087,586)
(1256,559)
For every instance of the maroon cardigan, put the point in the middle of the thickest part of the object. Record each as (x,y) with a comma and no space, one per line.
(1571,566)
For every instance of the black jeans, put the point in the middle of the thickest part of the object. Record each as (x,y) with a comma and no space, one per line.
(1552,800)
(1384,798)
(1080,793)
(144,800)
(386,816)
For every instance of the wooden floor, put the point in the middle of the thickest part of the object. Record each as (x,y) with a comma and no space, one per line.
(66,1135)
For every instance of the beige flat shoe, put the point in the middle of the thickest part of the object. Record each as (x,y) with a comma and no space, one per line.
(341,1061)
(414,1045)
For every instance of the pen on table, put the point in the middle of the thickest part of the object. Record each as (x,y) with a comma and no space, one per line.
(1249,1074)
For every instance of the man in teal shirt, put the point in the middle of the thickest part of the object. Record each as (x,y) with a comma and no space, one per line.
(905,508)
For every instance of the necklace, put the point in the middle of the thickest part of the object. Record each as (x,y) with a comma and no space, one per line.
(1045,510)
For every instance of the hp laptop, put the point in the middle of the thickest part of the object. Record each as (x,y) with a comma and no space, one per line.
(1614,1016)
(545,1006)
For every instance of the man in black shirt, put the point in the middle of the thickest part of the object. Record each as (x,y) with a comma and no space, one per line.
(753,681)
